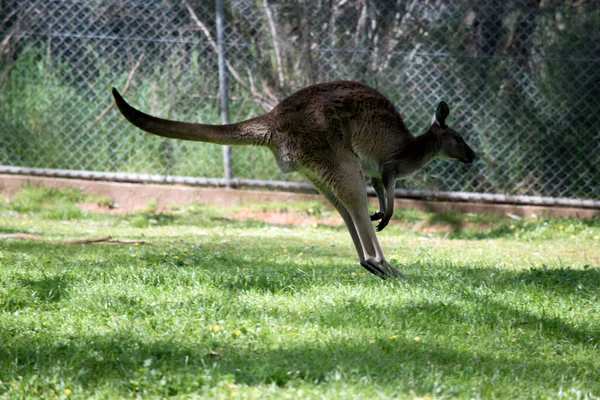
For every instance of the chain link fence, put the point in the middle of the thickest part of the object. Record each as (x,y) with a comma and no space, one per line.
(522,78)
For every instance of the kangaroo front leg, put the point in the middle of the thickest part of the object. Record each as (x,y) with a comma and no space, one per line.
(389,181)
(378,186)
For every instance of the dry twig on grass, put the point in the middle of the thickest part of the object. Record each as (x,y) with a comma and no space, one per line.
(103,239)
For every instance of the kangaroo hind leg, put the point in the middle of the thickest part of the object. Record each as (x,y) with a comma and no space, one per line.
(344,186)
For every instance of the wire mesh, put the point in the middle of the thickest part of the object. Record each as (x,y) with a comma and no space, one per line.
(522,78)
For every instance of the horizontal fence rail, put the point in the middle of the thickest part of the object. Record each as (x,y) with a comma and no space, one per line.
(522,78)
(295,186)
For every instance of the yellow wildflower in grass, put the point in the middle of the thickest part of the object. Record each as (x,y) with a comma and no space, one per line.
(393,337)
(237,332)
(417,339)
(372,341)
(214,328)
(67,392)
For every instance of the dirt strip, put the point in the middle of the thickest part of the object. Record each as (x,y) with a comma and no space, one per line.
(134,196)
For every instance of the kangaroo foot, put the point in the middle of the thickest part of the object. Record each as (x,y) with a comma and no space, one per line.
(393,271)
(383,270)
(374,268)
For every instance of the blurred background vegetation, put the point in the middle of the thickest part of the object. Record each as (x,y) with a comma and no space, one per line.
(522,78)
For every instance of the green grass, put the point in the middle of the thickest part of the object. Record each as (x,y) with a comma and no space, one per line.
(493,307)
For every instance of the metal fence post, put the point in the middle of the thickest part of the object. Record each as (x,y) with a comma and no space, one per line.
(223,87)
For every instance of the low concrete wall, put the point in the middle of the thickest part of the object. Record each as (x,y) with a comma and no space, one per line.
(133,196)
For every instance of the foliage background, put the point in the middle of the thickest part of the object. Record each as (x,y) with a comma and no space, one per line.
(522,78)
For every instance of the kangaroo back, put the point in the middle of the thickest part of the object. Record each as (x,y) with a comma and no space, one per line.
(250,132)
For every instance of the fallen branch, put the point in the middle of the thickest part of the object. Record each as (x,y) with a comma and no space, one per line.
(125,89)
(85,241)
(103,239)
(128,241)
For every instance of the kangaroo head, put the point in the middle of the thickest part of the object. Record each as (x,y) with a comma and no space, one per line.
(452,144)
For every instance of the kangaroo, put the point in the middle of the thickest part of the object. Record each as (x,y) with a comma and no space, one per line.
(334,133)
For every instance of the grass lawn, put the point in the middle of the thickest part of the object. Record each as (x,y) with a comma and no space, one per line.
(221,308)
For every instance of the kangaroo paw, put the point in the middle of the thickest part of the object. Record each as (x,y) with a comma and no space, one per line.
(377,216)
(381,225)
(384,222)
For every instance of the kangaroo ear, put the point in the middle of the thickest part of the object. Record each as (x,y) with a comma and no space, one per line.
(441,114)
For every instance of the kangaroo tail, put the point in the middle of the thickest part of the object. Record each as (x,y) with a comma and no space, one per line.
(251,132)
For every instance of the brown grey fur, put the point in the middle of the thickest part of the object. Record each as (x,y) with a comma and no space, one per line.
(334,133)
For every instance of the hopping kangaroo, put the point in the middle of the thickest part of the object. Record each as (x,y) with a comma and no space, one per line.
(334,133)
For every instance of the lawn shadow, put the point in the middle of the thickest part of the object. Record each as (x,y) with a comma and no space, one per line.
(534,283)
(561,279)
(468,305)
(133,362)
(158,367)
(93,360)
